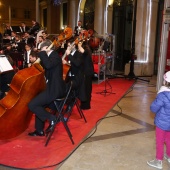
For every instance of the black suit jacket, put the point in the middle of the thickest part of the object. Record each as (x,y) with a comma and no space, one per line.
(76,31)
(54,74)
(77,70)
(26,29)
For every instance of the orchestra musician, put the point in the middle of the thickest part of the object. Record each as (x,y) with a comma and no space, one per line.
(23,27)
(18,45)
(55,88)
(75,74)
(35,28)
(38,44)
(8,30)
(28,50)
(88,71)
(33,58)
(28,39)
(78,29)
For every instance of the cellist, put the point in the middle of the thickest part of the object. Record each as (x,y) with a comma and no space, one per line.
(55,88)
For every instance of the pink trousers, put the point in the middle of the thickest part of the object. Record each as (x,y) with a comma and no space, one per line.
(162,137)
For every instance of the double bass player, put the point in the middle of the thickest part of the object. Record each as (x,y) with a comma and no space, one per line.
(55,88)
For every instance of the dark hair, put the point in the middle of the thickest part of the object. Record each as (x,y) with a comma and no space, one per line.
(34,54)
(45,43)
(167,84)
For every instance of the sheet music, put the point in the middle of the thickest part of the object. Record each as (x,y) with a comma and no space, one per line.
(4,64)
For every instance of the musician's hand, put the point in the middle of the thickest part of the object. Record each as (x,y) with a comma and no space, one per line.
(29,64)
(64,61)
(79,44)
(80,48)
(68,51)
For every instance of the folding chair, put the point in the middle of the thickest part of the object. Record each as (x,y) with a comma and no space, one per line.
(74,101)
(59,104)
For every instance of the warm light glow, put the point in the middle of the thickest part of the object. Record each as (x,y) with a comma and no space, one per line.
(0,16)
(111,2)
(81,11)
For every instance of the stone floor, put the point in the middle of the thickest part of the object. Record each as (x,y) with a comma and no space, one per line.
(124,139)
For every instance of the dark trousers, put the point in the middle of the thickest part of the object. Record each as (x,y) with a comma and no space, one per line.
(88,89)
(37,106)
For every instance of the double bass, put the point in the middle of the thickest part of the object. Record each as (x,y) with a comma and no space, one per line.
(15,116)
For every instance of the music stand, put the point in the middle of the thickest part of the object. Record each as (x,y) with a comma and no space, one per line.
(105,91)
(106,81)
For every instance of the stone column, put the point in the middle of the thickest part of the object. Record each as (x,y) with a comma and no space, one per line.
(163,50)
(49,13)
(146,20)
(109,19)
(37,11)
(99,16)
(73,13)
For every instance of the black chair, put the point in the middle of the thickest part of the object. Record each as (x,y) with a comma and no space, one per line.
(59,104)
(74,101)
(62,115)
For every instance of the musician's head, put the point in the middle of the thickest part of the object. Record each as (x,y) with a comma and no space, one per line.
(33,57)
(23,24)
(28,47)
(46,43)
(79,23)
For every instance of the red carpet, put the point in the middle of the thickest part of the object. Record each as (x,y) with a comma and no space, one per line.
(29,152)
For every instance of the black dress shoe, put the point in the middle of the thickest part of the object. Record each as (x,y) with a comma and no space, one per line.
(51,126)
(36,133)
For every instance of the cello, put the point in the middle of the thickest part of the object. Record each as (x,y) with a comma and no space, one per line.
(14,113)
(65,35)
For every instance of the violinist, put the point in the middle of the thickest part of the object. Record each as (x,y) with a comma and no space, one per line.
(55,88)
(75,74)
(35,28)
(88,73)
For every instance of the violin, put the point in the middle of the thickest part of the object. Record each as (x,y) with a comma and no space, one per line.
(82,37)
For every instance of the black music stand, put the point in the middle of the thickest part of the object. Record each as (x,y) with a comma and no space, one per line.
(106,82)
(105,91)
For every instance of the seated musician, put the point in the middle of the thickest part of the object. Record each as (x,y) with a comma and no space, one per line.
(8,49)
(28,39)
(17,45)
(35,28)
(28,50)
(8,30)
(24,27)
(33,57)
(38,44)
(55,88)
